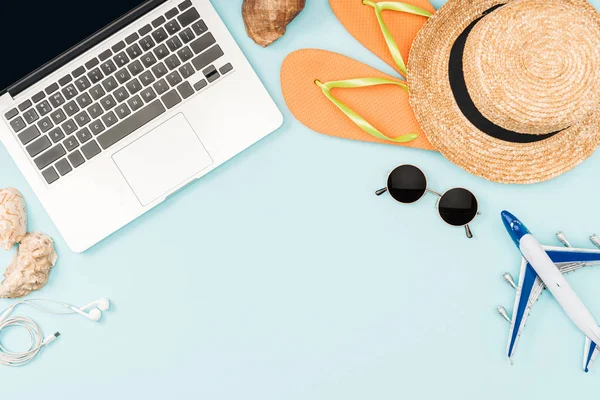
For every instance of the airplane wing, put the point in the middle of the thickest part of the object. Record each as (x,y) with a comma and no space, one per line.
(566,259)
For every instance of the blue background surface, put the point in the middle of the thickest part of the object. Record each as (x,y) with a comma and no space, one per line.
(281,276)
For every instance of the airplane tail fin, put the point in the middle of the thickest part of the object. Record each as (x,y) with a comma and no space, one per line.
(590,352)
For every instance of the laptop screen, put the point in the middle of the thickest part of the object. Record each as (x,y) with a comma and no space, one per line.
(34,33)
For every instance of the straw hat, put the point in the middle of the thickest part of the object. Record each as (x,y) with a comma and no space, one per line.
(509,91)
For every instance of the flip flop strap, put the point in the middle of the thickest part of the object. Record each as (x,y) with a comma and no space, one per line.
(381,6)
(350,113)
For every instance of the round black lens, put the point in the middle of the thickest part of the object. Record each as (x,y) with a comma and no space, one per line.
(407,184)
(458,207)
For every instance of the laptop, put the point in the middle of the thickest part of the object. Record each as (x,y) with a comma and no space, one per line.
(109,108)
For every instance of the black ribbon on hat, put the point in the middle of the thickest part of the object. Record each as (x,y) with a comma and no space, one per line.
(466,104)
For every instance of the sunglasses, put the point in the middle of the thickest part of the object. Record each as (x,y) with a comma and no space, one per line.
(408,184)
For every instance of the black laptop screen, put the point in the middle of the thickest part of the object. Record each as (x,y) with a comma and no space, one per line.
(33,33)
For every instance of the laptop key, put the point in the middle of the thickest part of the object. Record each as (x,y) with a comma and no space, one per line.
(145,30)
(69,91)
(64,80)
(171,99)
(82,83)
(135,68)
(200,27)
(97,92)
(38,146)
(158,21)
(187,70)
(52,88)
(123,76)
(134,51)
(131,38)
(50,156)
(109,119)
(211,74)
(148,60)
(161,87)
(174,43)
(108,67)
(95,111)
(76,159)
(84,100)
(147,43)
(58,116)
(82,118)
(174,78)
(121,59)
(11,114)
(135,103)
(63,167)
(134,86)
(31,116)
(188,17)
(148,95)
(172,62)
(109,84)
(45,124)
(105,55)
(185,90)
(108,102)
(97,127)
(159,35)
(78,72)
(122,111)
(185,54)
(226,68)
(118,47)
(184,5)
(95,75)
(69,127)
(161,51)
(71,108)
(17,124)
(187,35)
(121,94)
(172,27)
(90,150)
(71,143)
(38,96)
(84,135)
(146,78)
(57,100)
(29,134)
(200,84)
(208,57)
(160,70)
(56,135)
(50,175)
(92,63)
(25,105)
(203,43)
(131,124)
(171,13)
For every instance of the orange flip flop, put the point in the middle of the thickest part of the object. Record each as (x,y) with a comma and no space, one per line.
(338,96)
(386,28)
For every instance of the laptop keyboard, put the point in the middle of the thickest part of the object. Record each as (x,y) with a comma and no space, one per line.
(111,96)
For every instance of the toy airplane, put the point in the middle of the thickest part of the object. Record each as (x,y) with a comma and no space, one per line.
(543,267)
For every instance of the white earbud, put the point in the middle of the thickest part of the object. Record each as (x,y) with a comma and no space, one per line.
(95,314)
(103,304)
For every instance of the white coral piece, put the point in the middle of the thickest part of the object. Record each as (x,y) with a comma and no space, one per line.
(13,218)
(30,268)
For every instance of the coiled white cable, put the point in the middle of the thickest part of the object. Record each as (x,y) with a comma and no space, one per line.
(17,359)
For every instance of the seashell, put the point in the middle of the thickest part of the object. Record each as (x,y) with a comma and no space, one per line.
(266,20)
(13,217)
(30,268)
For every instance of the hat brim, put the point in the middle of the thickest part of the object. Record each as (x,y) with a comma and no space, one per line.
(456,137)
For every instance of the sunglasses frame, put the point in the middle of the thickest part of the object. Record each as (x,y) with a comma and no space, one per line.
(468,231)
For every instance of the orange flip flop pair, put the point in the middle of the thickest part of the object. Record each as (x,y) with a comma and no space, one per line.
(338,96)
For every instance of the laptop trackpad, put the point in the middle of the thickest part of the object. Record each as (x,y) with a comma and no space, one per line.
(162,159)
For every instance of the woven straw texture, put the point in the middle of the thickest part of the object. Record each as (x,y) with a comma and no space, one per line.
(456,138)
(532,65)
